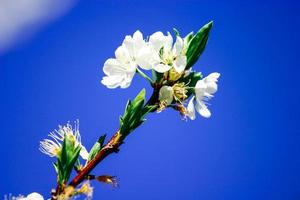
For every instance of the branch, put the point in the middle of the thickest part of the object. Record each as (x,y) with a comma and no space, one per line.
(112,146)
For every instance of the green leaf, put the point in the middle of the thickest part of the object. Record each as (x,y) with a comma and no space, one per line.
(134,114)
(96,148)
(71,162)
(161,52)
(67,159)
(156,76)
(176,32)
(188,37)
(197,45)
(55,167)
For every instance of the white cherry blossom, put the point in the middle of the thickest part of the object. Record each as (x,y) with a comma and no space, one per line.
(169,55)
(204,90)
(133,52)
(53,147)
(32,196)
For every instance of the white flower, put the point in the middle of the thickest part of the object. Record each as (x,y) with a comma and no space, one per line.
(133,52)
(53,147)
(32,196)
(204,90)
(170,56)
(86,189)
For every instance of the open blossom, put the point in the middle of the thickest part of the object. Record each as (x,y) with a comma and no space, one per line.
(53,147)
(133,52)
(204,90)
(169,55)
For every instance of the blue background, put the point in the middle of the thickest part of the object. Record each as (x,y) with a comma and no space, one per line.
(248,149)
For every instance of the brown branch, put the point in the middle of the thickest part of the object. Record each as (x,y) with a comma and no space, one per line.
(111,147)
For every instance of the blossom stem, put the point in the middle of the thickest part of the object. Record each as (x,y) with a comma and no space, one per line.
(144,75)
(112,146)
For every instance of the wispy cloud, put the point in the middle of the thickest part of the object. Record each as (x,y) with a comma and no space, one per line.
(19,19)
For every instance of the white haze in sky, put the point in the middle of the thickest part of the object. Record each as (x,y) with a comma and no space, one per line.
(19,19)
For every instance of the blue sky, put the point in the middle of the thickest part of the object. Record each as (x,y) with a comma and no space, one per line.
(248,149)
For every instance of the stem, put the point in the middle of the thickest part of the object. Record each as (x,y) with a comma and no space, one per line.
(144,75)
(112,146)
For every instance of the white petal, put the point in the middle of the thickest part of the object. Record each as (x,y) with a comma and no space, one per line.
(180,63)
(137,36)
(161,68)
(146,58)
(139,42)
(168,42)
(84,153)
(200,85)
(202,109)
(166,94)
(157,40)
(128,43)
(113,67)
(127,80)
(112,81)
(211,87)
(200,90)
(122,54)
(213,77)
(211,82)
(34,196)
(191,109)
(178,46)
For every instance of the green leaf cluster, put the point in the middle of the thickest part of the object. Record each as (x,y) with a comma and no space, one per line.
(134,114)
(196,44)
(66,159)
(96,148)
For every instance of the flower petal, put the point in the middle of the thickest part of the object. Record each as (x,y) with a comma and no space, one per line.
(146,58)
(213,77)
(122,55)
(128,43)
(191,109)
(168,42)
(138,41)
(200,90)
(113,67)
(112,81)
(211,87)
(178,46)
(211,82)
(161,68)
(157,40)
(202,109)
(34,196)
(84,153)
(180,63)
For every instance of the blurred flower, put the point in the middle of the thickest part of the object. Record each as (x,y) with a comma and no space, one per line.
(86,189)
(170,56)
(204,90)
(32,196)
(19,20)
(133,52)
(53,147)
